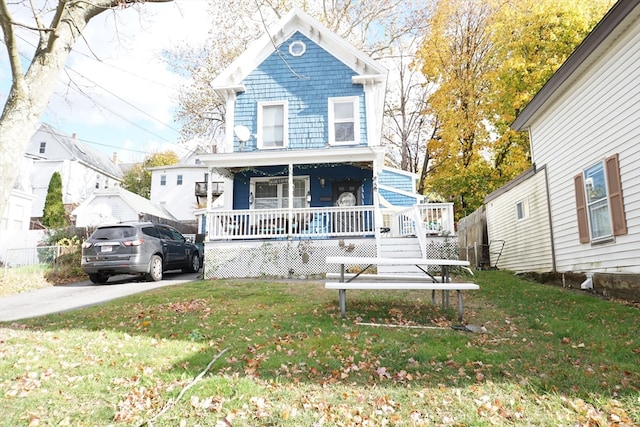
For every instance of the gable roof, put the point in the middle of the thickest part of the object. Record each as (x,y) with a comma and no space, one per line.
(615,22)
(137,203)
(81,152)
(296,20)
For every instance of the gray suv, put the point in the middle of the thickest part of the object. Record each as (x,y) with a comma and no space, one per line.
(142,248)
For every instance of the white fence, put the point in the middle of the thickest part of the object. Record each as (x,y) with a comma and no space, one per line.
(19,248)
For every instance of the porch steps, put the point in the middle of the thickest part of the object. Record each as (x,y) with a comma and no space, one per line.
(400,247)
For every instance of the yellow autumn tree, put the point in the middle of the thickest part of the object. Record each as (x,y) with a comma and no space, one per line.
(487,59)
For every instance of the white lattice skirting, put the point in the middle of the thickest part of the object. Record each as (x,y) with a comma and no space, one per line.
(279,259)
(293,258)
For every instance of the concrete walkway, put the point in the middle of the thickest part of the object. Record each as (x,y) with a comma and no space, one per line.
(57,299)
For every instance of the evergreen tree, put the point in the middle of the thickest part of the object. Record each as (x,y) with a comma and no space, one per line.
(53,215)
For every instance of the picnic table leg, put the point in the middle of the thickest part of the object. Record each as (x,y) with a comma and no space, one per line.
(459,305)
(342,298)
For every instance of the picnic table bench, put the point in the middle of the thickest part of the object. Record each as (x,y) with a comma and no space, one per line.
(429,282)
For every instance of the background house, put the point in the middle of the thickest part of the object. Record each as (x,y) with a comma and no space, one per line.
(83,169)
(112,205)
(181,189)
(585,143)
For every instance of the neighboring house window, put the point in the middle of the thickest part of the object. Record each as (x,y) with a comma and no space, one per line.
(163,179)
(179,180)
(273,193)
(43,147)
(344,126)
(272,124)
(522,209)
(98,182)
(599,203)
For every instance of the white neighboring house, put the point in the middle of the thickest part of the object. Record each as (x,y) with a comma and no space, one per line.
(17,215)
(181,189)
(112,205)
(585,142)
(83,170)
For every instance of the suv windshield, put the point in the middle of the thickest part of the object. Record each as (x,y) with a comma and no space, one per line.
(113,233)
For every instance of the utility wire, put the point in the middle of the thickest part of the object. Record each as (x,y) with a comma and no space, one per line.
(114,95)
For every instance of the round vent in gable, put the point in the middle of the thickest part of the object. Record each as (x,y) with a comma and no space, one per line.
(297,48)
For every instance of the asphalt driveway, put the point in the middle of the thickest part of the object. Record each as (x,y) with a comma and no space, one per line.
(57,299)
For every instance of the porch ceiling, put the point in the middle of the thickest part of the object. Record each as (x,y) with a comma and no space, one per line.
(246,159)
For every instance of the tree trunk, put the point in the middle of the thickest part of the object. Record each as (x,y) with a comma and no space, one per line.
(30,93)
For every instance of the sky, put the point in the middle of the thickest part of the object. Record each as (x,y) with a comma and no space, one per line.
(124,95)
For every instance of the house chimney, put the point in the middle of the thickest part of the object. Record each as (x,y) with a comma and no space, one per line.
(115,157)
(74,135)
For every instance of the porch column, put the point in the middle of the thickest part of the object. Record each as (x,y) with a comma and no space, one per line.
(378,162)
(290,196)
(209,202)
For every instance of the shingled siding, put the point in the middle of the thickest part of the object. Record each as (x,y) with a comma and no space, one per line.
(396,180)
(306,82)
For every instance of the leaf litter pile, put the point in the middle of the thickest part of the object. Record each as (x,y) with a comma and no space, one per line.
(265,353)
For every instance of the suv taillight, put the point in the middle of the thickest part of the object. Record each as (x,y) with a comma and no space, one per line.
(136,242)
(87,245)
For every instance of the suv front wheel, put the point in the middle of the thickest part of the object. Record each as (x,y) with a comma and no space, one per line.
(194,264)
(155,269)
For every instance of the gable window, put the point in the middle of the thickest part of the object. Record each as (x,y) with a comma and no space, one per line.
(179,180)
(273,193)
(344,126)
(163,179)
(272,124)
(43,147)
(522,209)
(599,203)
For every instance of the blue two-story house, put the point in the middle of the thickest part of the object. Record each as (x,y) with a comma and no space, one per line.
(305,168)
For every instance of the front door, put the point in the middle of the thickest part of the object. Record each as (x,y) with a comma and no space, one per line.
(345,195)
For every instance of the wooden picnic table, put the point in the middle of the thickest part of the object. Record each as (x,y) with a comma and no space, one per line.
(430,282)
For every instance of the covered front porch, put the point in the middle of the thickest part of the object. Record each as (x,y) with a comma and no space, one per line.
(282,212)
(294,243)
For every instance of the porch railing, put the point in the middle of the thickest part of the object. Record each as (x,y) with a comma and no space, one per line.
(294,223)
(431,219)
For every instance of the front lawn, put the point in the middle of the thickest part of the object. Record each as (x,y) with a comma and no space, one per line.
(252,353)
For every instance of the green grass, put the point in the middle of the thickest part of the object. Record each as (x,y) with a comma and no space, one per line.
(283,356)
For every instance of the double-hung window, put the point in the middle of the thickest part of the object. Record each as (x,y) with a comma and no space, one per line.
(344,123)
(273,193)
(599,203)
(272,124)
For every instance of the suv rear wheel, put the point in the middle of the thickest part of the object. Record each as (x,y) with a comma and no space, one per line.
(98,278)
(155,269)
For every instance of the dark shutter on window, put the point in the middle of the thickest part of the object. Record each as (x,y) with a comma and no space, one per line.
(616,202)
(581,209)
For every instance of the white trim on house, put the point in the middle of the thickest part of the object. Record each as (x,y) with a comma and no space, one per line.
(354,101)
(225,161)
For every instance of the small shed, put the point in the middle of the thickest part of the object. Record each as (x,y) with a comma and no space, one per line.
(117,205)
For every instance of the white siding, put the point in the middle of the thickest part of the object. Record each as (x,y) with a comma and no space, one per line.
(528,240)
(179,200)
(105,210)
(597,116)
